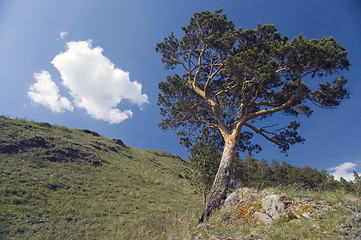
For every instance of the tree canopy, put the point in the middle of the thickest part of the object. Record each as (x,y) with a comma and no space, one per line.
(234,76)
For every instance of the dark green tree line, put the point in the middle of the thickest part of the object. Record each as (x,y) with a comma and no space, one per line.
(254,173)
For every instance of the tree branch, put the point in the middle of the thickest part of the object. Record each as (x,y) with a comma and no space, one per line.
(214,105)
(175,59)
(252,103)
(220,69)
(261,132)
(263,103)
(228,88)
(283,106)
(241,111)
(183,118)
(281,69)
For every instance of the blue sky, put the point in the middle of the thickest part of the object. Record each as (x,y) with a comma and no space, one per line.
(91,64)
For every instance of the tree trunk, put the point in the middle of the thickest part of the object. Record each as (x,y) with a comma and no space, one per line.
(222,179)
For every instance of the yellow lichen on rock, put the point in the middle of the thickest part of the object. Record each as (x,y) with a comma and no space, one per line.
(246,212)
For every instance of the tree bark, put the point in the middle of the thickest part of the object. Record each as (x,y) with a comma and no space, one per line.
(222,179)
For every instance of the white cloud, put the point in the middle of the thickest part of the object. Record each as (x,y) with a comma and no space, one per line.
(63,34)
(45,92)
(95,83)
(344,170)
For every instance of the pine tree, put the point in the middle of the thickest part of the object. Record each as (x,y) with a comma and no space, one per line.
(357,182)
(204,162)
(266,173)
(233,78)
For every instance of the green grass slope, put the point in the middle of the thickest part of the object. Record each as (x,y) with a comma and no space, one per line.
(61,183)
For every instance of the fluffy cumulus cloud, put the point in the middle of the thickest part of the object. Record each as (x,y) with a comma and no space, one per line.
(45,92)
(95,84)
(344,170)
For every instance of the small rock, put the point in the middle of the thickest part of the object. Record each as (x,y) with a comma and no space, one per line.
(44,124)
(119,142)
(232,200)
(91,132)
(273,206)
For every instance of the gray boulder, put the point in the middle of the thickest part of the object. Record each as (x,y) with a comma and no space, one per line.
(248,205)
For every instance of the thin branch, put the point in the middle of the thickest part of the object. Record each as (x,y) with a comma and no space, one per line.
(262,128)
(214,104)
(241,111)
(220,69)
(209,79)
(209,125)
(263,103)
(180,62)
(183,118)
(244,87)
(258,91)
(281,69)
(228,88)
(305,74)
(190,58)
(252,103)
(283,106)
(199,69)
(261,132)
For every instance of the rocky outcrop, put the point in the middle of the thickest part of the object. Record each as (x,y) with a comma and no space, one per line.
(119,142)
(248,214)
(69,154)
(251,206)
(95,134)
(24,145)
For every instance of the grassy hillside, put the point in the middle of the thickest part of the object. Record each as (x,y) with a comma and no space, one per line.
(61,183)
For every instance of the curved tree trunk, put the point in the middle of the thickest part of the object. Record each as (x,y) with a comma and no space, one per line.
(222,179)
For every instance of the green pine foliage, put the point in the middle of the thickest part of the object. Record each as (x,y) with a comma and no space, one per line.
(204,164)
(357,182)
